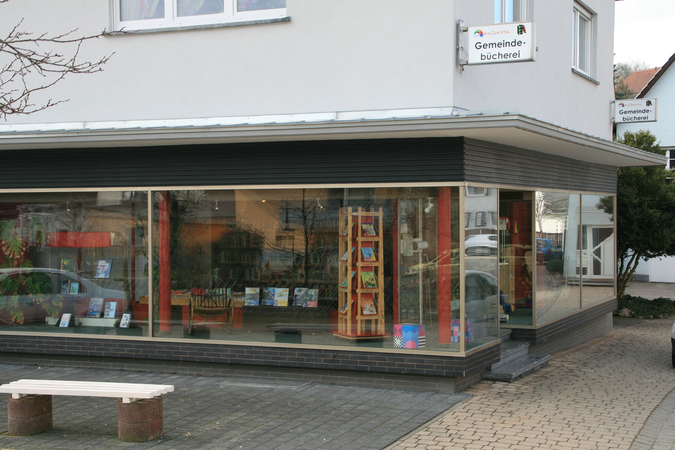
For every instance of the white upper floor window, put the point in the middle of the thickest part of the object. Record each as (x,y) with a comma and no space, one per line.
(584,23)
(154,14)
(513,11)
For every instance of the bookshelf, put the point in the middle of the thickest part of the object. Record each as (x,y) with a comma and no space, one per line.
(361,292)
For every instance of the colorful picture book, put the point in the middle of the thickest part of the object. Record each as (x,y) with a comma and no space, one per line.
(305,297)
(65,287)
(369,280)
(65,320)
(110,309)
(103,268)
(346,255)
(65,264)
(345,232)
(368,254)
(345,281)
(275,296)
(95,305)
(126,318)
(74,287)
(368,306)
(252,296)
(368,229)
(345,307)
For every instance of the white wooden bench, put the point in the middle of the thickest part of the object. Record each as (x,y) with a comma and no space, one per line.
(141,417)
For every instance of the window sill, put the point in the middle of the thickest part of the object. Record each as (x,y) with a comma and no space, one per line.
(123,32)
(583,75)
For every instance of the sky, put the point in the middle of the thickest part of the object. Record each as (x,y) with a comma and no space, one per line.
(644,30)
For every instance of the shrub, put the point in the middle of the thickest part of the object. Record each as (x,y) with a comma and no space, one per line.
(643,308)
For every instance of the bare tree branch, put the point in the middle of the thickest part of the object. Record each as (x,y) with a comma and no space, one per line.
(26,68)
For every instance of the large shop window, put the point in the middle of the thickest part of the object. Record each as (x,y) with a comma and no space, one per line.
(74,262)
(149,14)
(341,267)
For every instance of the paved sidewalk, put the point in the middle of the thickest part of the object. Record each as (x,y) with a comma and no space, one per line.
(606,394)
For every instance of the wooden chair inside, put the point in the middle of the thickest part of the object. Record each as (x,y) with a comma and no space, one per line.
(209,303)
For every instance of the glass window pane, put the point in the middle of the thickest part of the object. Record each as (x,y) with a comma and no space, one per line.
(482,270)
(583,44)
(78,260)
(199,7)
(598,246)
(310,266)
(558,291)
(255,5)
(141,9)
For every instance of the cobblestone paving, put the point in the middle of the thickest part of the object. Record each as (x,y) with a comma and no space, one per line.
(232,413)
(595,396)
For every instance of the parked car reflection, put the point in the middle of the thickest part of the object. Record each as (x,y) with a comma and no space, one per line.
(29,295)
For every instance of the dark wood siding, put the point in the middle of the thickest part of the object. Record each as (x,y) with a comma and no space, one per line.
(489,163)
(335,162)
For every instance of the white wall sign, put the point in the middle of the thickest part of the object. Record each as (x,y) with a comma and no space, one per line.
(635,110)
(502,43)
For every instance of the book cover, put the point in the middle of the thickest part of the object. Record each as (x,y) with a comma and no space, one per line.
(268,296)
(126,318)
(281,296)
(368,229)
(368,254)
(65,320)
(345,281)
(345,232)
(103,268)
(346,255)
(369,280)
(345,307)
(65,286)
(312,298)
(300,297)
(65,264)
(252,296)
(368,306)
(110,309)
(74,287)
(95,305)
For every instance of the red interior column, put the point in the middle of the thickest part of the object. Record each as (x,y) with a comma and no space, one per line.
(444,267)
(164,235)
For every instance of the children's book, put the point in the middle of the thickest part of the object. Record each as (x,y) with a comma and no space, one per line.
(368,229)
(281,296)
(368,306)
(344,282)
(126,318)
(95,305)
(369,280)
(345,232)
(252,297)
(103,268)
(65,264)
(110,309)
(346,255)
(65,287)
(368,254)
(345,307)
(268,296)
(74,287)
(65,320)
(312,298)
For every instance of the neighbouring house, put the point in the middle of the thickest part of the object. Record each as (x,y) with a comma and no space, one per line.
(347,192)
(637,80)
(662,87)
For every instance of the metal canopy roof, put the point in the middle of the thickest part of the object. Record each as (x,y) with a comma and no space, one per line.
(500,128)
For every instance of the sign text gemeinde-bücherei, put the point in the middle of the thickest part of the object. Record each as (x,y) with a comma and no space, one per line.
(635,110)
(502,43)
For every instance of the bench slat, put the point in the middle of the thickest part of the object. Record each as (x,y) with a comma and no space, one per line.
(91,384)
(85,389)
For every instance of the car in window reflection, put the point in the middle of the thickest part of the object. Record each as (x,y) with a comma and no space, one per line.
(548,250)
(481,294)
(481,245)
(35,293)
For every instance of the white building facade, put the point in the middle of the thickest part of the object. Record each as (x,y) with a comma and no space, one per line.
(299,188)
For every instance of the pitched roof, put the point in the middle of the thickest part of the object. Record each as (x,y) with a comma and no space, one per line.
(637,80)
(656,77)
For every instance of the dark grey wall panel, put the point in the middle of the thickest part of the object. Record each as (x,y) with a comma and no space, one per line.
(488,163)
(352,161)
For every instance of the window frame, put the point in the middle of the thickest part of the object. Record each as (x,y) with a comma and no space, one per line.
(171,20)
(507,11)
(583,62)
